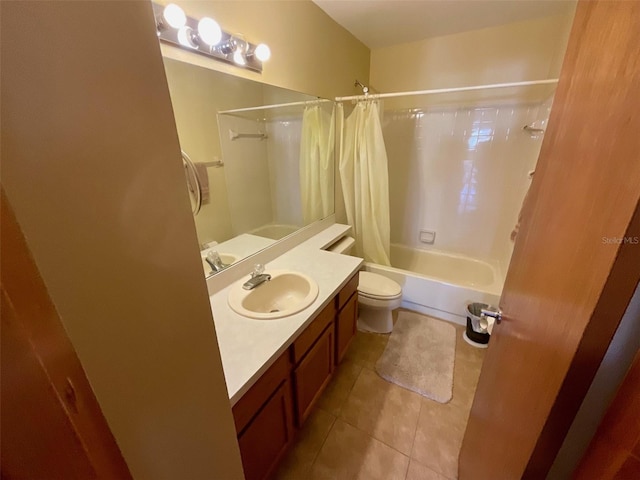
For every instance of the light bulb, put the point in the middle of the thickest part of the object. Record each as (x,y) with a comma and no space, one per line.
(209,31)
(184,37)
(263,52)
(174,15)
(238,57)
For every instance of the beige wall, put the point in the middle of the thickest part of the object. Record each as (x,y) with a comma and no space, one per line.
(529,50)
(91,166)
(310,52)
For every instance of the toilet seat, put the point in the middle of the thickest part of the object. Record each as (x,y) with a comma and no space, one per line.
(378,287)
(379,297)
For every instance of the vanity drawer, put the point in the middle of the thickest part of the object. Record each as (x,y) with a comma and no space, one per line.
(349,289)
(312,332)
(245,409)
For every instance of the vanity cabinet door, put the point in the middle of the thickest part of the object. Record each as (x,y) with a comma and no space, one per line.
(307,338)
(268,436)
(346,326)
(347,291)
(313,373)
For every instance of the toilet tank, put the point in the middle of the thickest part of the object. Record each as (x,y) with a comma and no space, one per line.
(343,245)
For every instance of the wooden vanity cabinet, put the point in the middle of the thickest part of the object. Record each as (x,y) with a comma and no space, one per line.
(312,354)
(267,415)
(313,373)
(347,317)
(264,420)
(267,438)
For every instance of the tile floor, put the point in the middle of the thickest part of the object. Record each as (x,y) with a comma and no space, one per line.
(364,427)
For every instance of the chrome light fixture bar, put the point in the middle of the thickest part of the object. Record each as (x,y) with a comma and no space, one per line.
(205,37)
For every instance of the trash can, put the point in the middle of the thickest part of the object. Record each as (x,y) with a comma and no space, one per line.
(476,333)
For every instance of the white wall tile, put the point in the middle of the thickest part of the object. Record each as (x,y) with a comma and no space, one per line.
(247,174)
(461,172)
(283,151)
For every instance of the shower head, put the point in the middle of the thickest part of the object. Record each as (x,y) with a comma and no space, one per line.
(365,89)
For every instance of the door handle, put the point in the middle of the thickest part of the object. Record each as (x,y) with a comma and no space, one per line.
(497,314)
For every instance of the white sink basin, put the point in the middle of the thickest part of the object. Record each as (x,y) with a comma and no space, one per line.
(285,294)
(226,258)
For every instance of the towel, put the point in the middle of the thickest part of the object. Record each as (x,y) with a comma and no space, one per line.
(203,177)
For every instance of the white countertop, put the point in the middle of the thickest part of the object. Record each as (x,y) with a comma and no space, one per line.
(248,347)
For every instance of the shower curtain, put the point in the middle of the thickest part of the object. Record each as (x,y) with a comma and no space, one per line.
(317,163)
(365,180)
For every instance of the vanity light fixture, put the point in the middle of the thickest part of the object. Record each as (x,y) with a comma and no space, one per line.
(205,37)
(186,37)
(262,52)
(209,31)
(239,58)
(174,16)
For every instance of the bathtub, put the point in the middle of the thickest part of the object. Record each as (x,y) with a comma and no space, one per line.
(441,284)
(274,231)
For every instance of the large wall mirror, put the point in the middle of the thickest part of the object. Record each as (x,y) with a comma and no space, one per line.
(258,159)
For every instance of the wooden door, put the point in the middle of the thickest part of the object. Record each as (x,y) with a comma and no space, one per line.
(52,426)
(576,260)
(614,452)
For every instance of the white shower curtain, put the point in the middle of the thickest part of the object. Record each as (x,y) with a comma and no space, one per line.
(365,180)
(317,163)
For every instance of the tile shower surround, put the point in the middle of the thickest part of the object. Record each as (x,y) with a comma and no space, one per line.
(262,176)
(462,172)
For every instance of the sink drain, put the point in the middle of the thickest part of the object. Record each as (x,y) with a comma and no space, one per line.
(275,310)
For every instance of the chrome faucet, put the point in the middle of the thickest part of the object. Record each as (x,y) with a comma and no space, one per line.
(213,259)
(258,277)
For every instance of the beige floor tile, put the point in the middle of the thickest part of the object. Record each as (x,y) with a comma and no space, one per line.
(439,437)
(366,348)
(417,471)
(375,415)
(386,411)
(473,356)
(468,363)
(349,453)
(297,464)
(339,388)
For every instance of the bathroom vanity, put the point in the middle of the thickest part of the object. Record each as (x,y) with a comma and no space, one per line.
(267,416)
(276,369)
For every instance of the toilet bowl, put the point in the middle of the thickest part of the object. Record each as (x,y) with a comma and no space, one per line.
(377,295)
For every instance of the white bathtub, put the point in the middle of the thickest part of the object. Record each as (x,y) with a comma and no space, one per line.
(274,231)
(439,283)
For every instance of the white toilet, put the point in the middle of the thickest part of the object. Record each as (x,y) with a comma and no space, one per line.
(377,295)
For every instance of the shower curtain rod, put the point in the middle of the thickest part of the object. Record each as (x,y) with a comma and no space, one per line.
(278,105)
(374,96)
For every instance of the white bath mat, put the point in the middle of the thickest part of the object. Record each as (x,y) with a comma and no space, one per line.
(420,355)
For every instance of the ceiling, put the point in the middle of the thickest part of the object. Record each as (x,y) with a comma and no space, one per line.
(382,23)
